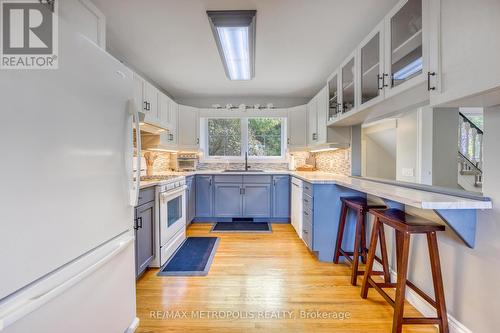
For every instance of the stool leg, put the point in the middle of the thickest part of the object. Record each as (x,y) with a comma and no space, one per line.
(438,282)
(357,244)
(383,251)
(399,302)
(340,233)
(363,239)
(371,258)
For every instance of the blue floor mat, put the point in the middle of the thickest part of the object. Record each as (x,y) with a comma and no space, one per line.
(193,258)
(242,227)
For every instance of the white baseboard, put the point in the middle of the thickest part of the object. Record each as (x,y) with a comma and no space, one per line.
(133,326)
(425,308)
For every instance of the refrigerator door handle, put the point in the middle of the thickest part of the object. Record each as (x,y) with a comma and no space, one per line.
(28,305)
(134,188)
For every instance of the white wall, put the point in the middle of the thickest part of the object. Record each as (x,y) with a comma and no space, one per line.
(445,147)
(407,147)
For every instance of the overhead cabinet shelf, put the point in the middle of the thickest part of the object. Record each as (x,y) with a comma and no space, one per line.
(388,70)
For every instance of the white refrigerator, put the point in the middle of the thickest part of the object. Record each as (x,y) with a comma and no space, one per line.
(67,194)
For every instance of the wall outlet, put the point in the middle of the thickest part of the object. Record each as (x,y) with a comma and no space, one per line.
(408,172)
(332,164)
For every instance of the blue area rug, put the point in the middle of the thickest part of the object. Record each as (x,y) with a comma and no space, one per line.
(193,258)
(242,227)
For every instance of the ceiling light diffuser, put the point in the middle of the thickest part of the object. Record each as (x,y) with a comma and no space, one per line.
(234,33)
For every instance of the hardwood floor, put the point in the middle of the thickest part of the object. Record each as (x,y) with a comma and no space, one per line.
(265,276)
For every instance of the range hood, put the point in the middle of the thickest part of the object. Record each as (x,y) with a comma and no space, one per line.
(148,127)
(154,142)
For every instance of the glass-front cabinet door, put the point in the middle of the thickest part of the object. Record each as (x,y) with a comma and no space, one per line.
(371,74)
(406,60)
(334,106)
(348,91)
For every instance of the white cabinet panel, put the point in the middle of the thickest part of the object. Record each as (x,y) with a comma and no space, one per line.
(322,114)
(297,127)
(470,50)
(188,134)
(312,122)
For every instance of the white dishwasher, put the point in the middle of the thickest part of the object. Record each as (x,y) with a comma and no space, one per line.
(296,215)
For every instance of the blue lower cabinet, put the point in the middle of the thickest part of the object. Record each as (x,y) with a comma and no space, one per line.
(228,200)
(256,200)
(281,196)
(204,196)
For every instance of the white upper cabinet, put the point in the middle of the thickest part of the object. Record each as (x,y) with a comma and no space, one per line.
(469,53)
(370,76)
(297,127)
(150,100)
(147,100)
(393,68)
(406,45)
(189,130)
(168,110)
(86,18)
(348,84)
(334,105)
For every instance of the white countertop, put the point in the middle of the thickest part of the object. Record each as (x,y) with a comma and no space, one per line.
(408,196)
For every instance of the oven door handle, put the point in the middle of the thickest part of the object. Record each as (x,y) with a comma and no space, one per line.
(172,193)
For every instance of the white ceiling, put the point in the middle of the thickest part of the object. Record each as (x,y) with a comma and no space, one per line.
(299,43)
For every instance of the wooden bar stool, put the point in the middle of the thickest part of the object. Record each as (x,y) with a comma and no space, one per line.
(406,225)
(361,206)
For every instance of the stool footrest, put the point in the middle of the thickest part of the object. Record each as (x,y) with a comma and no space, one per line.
(421,321)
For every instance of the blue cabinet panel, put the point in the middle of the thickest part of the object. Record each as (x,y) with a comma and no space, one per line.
(190,199)
(228,200)
(204,196)
(257,200)
(281,196)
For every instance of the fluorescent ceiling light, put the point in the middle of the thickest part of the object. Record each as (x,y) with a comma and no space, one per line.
(234,33)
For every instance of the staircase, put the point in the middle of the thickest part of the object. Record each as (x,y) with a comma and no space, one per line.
(470,155)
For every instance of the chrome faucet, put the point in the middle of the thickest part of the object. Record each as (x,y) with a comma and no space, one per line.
(246,161)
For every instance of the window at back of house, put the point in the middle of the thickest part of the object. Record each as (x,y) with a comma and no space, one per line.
(264,137)
(224,137)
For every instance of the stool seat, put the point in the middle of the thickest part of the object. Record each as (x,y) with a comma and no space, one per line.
(401,221)
(360,203)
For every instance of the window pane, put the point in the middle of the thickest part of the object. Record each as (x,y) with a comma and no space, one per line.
(264,137)
(224,137)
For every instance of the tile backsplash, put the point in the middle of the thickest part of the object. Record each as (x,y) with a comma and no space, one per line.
(337,161)
(241,166)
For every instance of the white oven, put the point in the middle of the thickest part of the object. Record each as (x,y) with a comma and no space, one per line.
(172,219)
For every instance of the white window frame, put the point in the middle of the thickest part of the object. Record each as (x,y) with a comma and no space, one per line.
(244,142)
